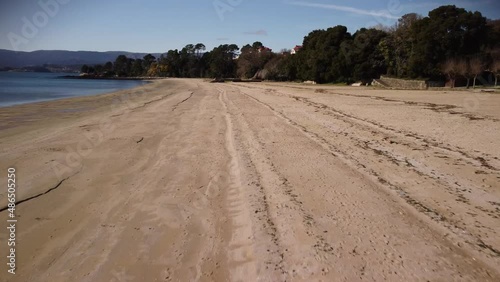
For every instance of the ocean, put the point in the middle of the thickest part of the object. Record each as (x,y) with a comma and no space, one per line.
(29,87)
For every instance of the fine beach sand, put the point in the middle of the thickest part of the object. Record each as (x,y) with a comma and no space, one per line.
(183,180)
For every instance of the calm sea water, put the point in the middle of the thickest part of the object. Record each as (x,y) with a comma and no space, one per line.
(28,87)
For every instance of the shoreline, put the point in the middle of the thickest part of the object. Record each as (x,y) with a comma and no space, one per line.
(110,78)
(29,102)
(18,117)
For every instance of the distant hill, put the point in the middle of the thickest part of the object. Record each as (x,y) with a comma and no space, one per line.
(15,59)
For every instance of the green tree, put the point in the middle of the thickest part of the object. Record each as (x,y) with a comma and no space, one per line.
(108,66)
(84,69)
(447,32)
(172,60)
(222,60)
(91,70)
(108,69)
(188,61)
(322,57)
(138,68)
(200,63)
(397,47)
(99,69)
(251,60)
(257,44)
(493,33)
(199,48)
(363,55)
(121,65)
(146,62)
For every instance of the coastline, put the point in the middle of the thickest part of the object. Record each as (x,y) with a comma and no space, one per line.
(65,89)
(33,114)
(110,78)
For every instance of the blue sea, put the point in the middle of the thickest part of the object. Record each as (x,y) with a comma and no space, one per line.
(29,87)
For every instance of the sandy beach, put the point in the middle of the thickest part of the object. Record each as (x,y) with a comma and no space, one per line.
(183,180)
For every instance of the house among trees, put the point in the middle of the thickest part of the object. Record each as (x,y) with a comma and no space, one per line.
(264,49)
(295,49)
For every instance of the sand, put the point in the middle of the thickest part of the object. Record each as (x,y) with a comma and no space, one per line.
(183,180)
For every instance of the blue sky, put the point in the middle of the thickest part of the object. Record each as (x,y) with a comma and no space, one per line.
(159,25)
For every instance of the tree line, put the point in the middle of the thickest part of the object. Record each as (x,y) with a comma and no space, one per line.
(450,42)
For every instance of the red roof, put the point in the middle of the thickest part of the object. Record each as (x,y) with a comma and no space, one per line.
(261,49)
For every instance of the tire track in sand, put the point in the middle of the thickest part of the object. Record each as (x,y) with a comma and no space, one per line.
(241,259)
(472,240)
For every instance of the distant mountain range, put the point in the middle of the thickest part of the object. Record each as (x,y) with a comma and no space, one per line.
(15,59)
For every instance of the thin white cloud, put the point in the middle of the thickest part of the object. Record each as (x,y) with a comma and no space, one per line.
(258,32)
(382,14)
